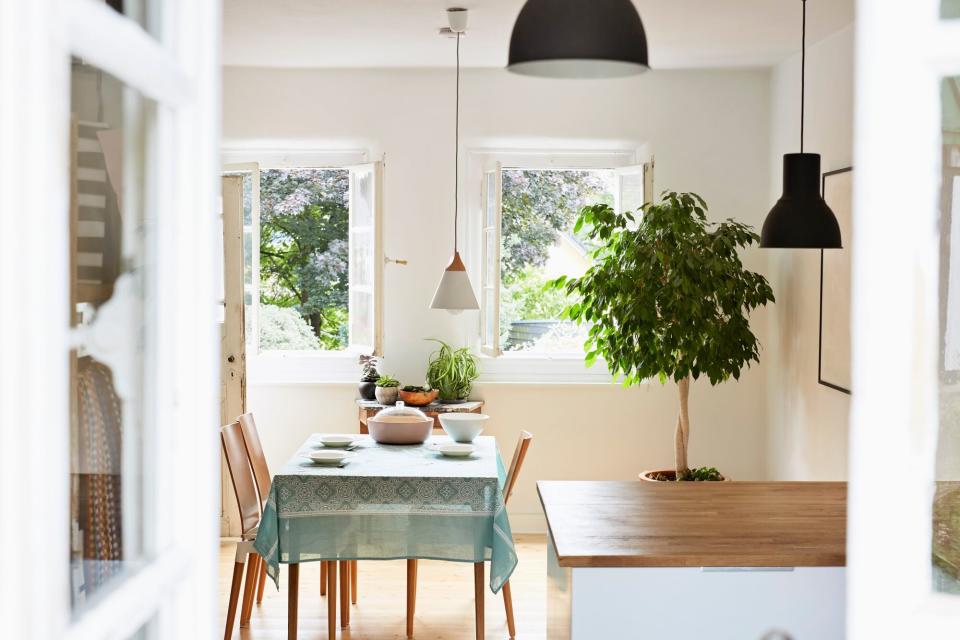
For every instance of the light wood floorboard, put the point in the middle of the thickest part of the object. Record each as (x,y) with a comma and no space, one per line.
(444,600)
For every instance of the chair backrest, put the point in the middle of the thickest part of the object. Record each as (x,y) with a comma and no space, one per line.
(518,455)
(258,461)
(241,475)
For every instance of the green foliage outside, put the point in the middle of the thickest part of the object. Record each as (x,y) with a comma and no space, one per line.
(669,299)
(304,217)
(537,206)
(282,328)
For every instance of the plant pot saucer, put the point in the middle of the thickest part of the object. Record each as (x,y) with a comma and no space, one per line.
(651,474)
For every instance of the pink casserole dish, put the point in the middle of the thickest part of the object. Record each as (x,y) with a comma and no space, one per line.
(400,425)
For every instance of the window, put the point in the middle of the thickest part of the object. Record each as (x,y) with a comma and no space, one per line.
(311,241)
(529,212)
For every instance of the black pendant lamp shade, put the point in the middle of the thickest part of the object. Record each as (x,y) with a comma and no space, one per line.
(578,39)
(801,218)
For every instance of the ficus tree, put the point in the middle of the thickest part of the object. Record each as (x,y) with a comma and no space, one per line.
(667,296)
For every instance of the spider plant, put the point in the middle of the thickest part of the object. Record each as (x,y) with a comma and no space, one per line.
(452,371)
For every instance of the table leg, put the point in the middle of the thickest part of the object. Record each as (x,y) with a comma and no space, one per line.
(332,599)
(478,597)
(292,600)
(263,580)
(411,594)
(323,577)
(344,594)
(353,581)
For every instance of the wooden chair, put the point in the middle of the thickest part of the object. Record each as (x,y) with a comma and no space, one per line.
(519,454)
(348,568)
(244,486)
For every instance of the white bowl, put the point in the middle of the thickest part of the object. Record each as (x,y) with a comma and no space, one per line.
(336,441)
(463,427)
(455,450)
(328,457)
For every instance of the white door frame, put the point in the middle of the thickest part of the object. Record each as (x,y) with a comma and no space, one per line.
(903,50)
(181,73)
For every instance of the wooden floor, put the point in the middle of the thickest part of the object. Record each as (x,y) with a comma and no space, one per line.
(444,600)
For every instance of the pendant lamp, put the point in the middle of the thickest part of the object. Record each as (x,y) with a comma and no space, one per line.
(455,292)
(578,39)
(801,218)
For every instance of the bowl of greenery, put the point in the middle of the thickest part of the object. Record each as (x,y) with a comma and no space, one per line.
(418,396)
(452,372)
(388,389)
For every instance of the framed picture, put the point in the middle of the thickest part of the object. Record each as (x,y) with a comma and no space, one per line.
(833,364)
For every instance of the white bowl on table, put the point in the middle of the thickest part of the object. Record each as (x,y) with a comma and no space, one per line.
(335,441)
(455,450)
(328,457)
(463,427)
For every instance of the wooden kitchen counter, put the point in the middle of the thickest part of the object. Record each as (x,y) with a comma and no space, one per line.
(696,524)
(719,560)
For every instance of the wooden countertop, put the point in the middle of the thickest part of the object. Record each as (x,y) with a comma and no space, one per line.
(696,524)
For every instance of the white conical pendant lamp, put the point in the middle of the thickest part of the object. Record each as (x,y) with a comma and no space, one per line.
(455,292)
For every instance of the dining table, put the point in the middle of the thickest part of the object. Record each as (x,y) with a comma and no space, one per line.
(388,502)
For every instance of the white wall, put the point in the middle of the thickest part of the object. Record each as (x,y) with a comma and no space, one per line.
(808,422)
(709,131)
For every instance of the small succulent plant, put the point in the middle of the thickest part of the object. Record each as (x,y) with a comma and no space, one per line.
(387,381)
(370,373)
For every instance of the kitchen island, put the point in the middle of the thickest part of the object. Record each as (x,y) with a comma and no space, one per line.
(695,559)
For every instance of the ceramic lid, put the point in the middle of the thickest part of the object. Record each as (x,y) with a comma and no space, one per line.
(401,409)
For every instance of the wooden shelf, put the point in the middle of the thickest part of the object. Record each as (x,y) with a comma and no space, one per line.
(696,524)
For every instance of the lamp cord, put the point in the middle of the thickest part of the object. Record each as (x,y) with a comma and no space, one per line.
(803,71)
(456,155)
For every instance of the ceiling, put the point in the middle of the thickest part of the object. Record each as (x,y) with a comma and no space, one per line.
(403,33)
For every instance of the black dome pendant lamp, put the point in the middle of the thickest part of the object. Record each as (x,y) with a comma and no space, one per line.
(578,39)
(801,218)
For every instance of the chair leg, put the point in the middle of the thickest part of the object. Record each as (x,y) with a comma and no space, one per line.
(249,588)
(508,605)
(234,597)
(411,594)
(263,580)
(293,597)
(344,594)
(478,596)
(353,581)
(332,600)
(323,578)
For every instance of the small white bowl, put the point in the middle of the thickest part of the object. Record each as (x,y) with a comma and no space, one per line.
(455,450)
(336,441)
(463,427)
(328,457)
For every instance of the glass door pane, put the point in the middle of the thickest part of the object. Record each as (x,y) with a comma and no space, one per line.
(946,507)
(110,289)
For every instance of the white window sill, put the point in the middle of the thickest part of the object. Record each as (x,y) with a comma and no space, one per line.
(542,368)
(303,367)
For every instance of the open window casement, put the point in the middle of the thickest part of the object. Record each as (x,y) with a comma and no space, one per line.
(365,257)
(492,192)
(634,187)
(250,172)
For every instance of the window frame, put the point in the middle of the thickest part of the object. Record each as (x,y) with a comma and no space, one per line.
(310,366)
(519,367)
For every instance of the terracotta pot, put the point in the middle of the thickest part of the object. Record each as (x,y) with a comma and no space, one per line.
(650,474)
(387,395)
(418,398)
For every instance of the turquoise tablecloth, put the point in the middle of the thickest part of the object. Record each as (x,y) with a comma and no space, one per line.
(390,502)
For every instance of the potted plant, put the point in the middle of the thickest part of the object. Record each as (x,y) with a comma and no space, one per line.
(668,297)
(387,389)
(452,372)
(368,378)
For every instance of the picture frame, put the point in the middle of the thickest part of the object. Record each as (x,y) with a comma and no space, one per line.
(833,358)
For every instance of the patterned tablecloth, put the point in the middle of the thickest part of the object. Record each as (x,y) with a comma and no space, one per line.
(390,502)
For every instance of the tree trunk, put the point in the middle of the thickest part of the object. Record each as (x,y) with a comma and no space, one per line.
(683,428)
